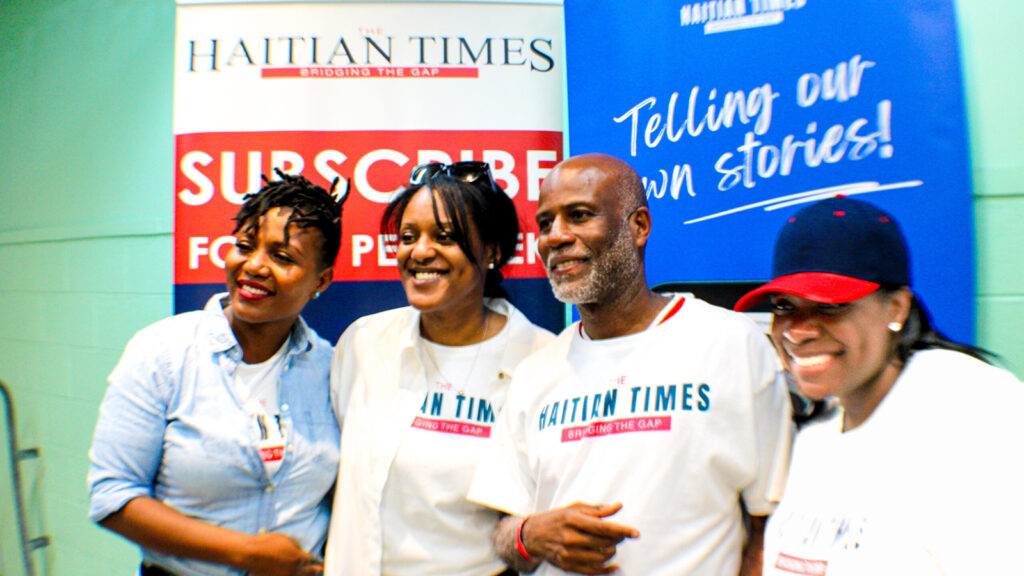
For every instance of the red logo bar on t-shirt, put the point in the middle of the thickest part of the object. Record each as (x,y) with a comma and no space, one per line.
(621,426)
(801,566)
(452,427)
(272,453)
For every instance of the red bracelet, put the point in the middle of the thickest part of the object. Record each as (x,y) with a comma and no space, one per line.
(519,542)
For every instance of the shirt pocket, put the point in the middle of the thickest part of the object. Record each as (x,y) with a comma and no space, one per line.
(317,435)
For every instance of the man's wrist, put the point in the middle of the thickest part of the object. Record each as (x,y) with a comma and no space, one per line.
(520,547)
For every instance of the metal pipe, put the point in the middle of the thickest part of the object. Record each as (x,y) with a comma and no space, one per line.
(28,545)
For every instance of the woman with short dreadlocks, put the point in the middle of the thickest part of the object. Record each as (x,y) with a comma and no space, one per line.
(216,444)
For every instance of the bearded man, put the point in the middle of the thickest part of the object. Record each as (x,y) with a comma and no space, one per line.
(652,436)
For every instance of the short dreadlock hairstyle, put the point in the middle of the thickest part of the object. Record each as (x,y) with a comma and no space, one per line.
(311,205)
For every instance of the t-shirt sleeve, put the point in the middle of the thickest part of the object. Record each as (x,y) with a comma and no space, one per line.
(503,479)
(127,445)
(773,426)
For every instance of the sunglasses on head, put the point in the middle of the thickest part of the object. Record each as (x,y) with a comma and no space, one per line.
(467,171)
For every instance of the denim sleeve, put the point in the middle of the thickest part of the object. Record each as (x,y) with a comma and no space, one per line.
(128,443)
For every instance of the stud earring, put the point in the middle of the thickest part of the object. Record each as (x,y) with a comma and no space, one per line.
(490,265)
(895,326)
(316,295)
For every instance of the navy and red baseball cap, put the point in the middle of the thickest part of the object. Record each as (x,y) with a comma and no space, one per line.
(835,251)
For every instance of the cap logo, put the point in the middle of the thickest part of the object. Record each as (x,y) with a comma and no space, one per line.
(839,213)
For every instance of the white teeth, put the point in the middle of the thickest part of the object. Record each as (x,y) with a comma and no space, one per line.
(565,264)
(426,275)
(809,361)
(256,291)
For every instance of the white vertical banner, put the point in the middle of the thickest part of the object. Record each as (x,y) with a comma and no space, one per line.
(364,91)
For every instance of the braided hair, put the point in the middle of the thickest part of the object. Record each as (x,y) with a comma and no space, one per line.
(311,206)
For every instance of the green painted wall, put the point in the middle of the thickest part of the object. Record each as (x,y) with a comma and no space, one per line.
(86,181)
(992,53)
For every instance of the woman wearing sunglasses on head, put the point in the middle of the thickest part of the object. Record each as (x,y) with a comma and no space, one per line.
(418,388)
(216,446)
(918,470)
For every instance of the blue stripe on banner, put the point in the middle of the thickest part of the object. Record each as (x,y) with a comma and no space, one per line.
(344,302)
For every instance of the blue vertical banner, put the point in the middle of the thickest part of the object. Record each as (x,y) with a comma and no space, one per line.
(736,113)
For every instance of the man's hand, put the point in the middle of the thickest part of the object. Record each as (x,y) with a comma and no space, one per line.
(576,538)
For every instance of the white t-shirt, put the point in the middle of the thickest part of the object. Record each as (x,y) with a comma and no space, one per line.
(410,445)
(424,511)
(258,387)
(928,485)
(679,423)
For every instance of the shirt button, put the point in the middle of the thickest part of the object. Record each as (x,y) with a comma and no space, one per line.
(268,489)
(284,407)
(501,374)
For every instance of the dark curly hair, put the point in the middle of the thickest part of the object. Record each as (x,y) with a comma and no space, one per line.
(311,205)
(489,210)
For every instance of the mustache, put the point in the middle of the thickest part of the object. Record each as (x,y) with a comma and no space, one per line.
(564,254)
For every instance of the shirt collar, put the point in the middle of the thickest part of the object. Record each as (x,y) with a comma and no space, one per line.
(410,339)
(222,338)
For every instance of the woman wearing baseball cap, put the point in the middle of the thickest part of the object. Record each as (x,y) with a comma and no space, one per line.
(917,469)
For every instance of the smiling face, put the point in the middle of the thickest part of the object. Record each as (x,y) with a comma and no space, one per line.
(841,350)
(586,241)
(271,280)
(435,272)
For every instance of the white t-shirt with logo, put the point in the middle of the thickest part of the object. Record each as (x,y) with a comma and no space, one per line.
(928,485)
(424,507)
(258,387)
(679,423)
(410,443)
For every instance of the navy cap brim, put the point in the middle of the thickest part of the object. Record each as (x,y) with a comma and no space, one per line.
(816,286)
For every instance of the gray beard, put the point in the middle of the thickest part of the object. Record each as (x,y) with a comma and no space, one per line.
(609,271)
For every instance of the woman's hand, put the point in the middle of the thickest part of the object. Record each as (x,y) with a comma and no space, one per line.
(279,555)
(159,527)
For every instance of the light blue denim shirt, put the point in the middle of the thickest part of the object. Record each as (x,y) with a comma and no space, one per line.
(172,428)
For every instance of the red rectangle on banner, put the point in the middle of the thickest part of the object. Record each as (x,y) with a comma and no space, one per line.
(215,170)
(356,72)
